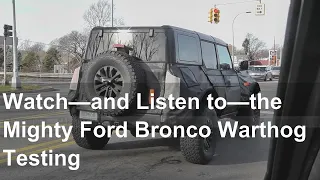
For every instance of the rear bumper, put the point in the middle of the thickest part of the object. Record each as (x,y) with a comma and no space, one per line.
(258,76)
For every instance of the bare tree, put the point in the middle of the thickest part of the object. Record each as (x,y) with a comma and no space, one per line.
(263,53)
(73,44)
(252,46)
(99,14)
(28,45)
(37,47)
(24,45)
(145,47)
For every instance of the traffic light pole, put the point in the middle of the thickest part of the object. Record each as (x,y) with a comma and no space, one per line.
(241,2)
(16,83)
(5,82)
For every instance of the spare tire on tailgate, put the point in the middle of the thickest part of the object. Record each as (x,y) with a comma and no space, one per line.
(112,75)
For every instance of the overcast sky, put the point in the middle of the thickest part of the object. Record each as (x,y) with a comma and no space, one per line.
(45,20)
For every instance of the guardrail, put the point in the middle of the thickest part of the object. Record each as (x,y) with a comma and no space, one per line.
(42,75)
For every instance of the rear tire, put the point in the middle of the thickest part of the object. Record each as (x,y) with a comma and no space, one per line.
(199,150)
(89,141)
(249,117)
(114,74)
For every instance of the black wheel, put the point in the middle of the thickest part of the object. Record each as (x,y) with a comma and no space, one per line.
(90,141)
(108,82)
(200,150)
(270,77)
(112,75)
(249,117)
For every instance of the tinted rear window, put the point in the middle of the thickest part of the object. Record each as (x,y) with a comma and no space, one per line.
(143,46)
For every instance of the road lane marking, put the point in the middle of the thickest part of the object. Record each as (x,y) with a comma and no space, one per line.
(32,117)
(30,147)
(28,125)
(40,150)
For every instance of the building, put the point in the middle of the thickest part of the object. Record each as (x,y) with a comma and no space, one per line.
(60,69)
(264,62)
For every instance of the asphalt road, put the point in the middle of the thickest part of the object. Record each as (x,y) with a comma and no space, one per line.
(132,158)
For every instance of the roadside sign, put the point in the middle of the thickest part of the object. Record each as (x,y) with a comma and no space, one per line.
(8,42)
(273,57)
(260,9)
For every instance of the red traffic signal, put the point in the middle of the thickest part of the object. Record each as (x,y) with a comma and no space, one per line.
(216,15)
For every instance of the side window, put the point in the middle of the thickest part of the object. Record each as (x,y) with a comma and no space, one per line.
(209,55)
(224,55)
(188,48)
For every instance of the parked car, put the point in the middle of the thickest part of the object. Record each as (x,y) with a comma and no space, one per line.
(275,70)
(260,72)
(164,61)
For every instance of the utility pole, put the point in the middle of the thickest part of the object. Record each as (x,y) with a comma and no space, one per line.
(15,78)
(280,58)
(111,13)
(274,49)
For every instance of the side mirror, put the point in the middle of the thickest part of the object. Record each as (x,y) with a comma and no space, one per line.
(244,65)
(225,66)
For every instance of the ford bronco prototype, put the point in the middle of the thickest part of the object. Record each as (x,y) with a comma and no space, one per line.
(163,61)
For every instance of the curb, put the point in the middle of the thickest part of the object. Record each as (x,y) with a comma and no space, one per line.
(44,89)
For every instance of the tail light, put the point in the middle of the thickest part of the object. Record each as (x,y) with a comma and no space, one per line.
(151,95)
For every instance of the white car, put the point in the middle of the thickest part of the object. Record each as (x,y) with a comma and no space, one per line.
(275,70)
(261,72)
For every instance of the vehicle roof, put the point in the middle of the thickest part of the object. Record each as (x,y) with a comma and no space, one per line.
(201,35)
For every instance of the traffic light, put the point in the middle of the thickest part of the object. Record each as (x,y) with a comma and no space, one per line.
(210,16)
(7,30)
(216,14)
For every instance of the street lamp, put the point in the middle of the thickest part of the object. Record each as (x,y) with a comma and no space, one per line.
(112,13)
(248,12)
